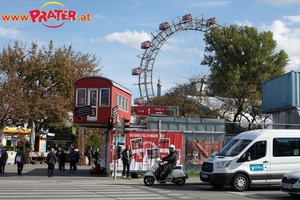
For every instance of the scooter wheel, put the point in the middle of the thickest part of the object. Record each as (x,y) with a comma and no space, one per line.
(149,180)
(181,181)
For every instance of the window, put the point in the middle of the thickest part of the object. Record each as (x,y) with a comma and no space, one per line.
(258,150)
(80,97)
(283,147)
(122,102)
(93,97)
(104,97)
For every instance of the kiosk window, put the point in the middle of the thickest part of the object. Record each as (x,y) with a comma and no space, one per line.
(81,97)
(93,97)
(104,98)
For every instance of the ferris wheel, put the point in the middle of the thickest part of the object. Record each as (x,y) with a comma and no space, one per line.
(176,50)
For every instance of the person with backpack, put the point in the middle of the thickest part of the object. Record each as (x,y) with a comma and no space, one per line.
(20,160)
(51,160)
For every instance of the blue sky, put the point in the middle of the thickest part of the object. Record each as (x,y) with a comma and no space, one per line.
(118,27)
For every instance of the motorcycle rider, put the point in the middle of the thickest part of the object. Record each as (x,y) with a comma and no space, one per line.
(163,170)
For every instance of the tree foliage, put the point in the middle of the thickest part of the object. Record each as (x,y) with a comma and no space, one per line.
(240,60)
(37,82)
(187,98)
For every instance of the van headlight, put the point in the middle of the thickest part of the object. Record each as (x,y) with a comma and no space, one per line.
(223,164)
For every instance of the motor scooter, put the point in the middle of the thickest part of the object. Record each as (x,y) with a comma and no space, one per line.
(177,175)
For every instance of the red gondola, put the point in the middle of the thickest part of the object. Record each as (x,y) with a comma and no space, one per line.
(145,45)
(138,101)
(187,17)
(164,26)
(211,21)
(136,71)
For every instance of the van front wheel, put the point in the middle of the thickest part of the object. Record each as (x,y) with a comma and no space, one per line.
(240,182)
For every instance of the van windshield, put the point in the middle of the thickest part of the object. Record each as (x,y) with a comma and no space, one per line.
(234,147)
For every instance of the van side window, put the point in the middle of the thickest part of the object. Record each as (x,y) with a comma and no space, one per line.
(283,147)
(258,150)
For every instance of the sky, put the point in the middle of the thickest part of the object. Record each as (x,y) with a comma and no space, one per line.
(114,30)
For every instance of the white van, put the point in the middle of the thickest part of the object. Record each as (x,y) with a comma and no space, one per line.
(253,157)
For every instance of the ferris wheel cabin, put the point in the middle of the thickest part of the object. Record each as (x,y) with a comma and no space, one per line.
(96,97)
(136,71)
(164,26)
(145,45)
(138,101)
(187,17)
(211,21)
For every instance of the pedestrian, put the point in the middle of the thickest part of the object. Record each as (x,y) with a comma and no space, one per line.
(126,159)
(58,152)
(90,154)
(20,160)
(51,160)
(62,161)
(3,159)
(96,157)
(73,157)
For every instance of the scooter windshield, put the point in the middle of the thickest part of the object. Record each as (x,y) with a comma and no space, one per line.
(234,147)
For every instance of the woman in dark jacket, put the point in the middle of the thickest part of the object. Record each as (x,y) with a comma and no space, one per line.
(20,160)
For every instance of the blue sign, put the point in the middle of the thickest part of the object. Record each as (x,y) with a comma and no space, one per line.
(257,167)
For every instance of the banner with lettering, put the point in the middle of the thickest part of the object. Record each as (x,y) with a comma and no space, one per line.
(146,148)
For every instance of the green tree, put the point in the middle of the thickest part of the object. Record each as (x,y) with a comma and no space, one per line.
(42,80)
(240,60)
(187,98)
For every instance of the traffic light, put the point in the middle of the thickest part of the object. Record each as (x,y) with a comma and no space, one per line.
(124,125)
(110,123)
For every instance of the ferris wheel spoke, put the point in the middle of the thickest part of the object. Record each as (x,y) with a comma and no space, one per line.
(175,53)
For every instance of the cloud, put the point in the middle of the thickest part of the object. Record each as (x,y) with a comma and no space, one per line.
(245,23)
(287,39)
(9,33)
(128,38)
(279,2)
(207,4)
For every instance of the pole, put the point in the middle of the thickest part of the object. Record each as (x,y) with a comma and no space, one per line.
(159,133)
(116,147)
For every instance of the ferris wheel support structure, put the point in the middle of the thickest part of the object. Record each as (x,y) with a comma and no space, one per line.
(159,37)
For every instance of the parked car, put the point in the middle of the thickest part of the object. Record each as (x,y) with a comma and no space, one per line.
(290,183)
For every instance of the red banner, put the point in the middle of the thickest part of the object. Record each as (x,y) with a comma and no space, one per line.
(145,147)
(149,110)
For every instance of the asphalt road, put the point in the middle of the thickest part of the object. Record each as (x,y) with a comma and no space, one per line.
(35,184)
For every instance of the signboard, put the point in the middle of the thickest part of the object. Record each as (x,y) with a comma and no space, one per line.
(149,110)
(146,148)
(83,111)
(115,112)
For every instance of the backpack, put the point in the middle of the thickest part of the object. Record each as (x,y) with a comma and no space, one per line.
(18,158)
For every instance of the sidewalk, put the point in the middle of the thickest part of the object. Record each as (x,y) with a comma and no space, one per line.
(39,171)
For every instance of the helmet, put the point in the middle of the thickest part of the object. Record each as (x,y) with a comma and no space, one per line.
(172,146)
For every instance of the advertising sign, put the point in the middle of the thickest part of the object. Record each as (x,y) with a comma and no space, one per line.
(149,110)
(198,150)
(144,146)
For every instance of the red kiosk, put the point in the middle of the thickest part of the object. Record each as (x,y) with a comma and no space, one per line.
(94,99)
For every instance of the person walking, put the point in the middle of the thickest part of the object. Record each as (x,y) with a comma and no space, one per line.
(90,154)
(62,161)
(58,152)
(126,159)
(51,160)
(97,157)
(20,160)
(73,157)
(3,159)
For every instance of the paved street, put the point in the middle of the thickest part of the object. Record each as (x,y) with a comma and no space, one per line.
(35,184)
